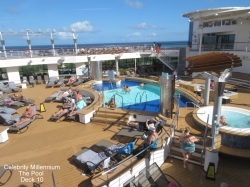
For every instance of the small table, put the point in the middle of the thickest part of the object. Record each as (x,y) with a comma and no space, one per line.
(3,134)
(225,100)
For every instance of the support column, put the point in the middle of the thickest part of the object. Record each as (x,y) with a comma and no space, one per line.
(53,47)
(135,66)
(89,60)
(207,91)
(53,70)
(13,74)
(219,90)
(96,70)
(117,66)
(81,69)
(4,50)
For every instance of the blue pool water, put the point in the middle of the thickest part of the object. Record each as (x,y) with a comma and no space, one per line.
(236,119)
(145,98)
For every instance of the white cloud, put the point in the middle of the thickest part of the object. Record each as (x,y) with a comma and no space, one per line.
(64,35)
(84,26)
(134,4)
(137,34)
(157,27)
(153,34)
(140,26)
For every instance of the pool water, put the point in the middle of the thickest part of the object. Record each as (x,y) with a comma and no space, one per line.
(145,98)
(236,119)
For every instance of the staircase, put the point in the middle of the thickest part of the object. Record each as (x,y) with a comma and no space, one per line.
(116,116)
(166,60)
(175,150)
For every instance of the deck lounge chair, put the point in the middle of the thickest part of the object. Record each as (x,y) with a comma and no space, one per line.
(4,88)
(46,79)
(32,81)
(60,82)
(89,161)
(52,81)
(129,74)
(7,110)
(78,82)
(53,96)
(25,125)
(2,173)
(157,175)
(39,79)
(129,133)
(142,73)
(13,104)
(7,119)
(13,87)
(141,181)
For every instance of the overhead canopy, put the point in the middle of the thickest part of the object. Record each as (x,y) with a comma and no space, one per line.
(212,61)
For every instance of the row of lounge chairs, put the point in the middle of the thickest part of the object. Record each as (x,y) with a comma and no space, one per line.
(10,87)
(54,82)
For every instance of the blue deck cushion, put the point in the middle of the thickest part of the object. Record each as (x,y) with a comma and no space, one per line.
(7,110)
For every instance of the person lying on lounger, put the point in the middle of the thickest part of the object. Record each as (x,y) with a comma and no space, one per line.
(18,97)
(27,115)
(64,109)
(72,79)
(79,105)
(65,94)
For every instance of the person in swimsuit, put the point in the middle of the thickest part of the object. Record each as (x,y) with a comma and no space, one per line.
(27,115)
(144,125)
(65,108)
(187,143)
(223,120)
(151,139)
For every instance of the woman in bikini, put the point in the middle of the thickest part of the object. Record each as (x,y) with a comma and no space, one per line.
(187,142)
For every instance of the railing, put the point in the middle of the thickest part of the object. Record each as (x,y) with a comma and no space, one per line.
(48,51)
(142,96)
(195,106)
(136,97)
(204,140)
(166,60)
(172,126)
(118,95)
(100,95)
(235,46)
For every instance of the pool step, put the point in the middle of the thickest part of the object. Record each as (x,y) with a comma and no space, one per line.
(110,114)
(116,110)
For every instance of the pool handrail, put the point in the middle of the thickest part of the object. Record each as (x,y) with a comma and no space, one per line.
(195,106)
(146,96)
(136,97)
(118,95)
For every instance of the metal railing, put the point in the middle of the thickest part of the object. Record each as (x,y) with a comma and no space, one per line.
(145,95)
(136,97)
(195,106)
(172,126)
(118,95)
(204,140)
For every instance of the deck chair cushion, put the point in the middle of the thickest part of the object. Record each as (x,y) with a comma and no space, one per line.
(7,110)
(92,159)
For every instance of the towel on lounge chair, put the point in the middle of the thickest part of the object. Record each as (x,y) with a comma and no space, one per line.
(7,110)
(92,159)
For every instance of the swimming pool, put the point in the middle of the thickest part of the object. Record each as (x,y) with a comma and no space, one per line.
(145,98)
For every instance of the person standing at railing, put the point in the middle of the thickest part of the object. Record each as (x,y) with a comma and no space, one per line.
(187,143)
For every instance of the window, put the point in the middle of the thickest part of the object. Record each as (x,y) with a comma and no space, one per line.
(226,22)
(3,74)
(217,23)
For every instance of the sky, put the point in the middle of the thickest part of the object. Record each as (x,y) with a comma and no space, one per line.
(100,21)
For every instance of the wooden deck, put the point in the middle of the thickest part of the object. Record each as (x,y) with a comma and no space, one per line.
(53,143)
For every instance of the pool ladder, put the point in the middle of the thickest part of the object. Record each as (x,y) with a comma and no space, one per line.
(141,96)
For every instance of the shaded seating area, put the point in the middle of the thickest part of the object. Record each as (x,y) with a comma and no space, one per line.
(212,61)
(4,175)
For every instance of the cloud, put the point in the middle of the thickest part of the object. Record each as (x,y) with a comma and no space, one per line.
(134,4)
(12,10)
(144,26)
(64,35)
(139,27)
(84,26)
(153,34)
(137,34)
(90,9)
(157,27)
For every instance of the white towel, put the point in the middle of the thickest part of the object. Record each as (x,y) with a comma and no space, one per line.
(106,163)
